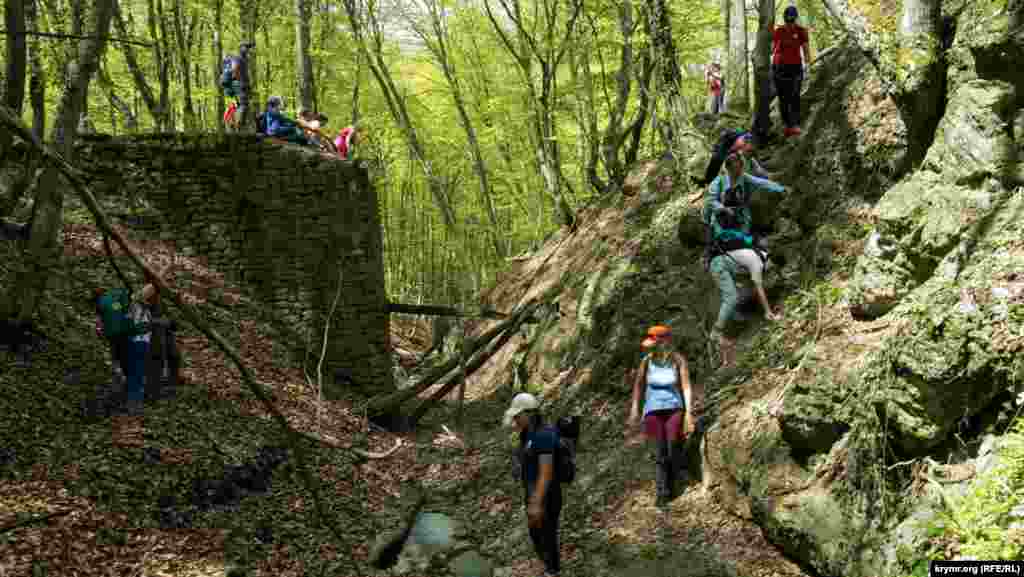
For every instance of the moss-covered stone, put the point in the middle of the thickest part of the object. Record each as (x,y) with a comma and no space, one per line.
(974,140)
(960,339)
(987,44)
(921,219)
(810,422)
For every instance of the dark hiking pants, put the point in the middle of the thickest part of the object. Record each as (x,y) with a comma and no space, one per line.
(788,79)
(120,351)
(671,466)
(545,537)
(162,361)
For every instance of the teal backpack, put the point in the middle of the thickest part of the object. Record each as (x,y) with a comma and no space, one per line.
(114,306)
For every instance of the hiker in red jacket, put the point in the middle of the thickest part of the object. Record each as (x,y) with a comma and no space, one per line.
(713,77)
(790,55)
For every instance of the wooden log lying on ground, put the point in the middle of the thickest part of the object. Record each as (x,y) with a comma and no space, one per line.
(393,401)
(477,360)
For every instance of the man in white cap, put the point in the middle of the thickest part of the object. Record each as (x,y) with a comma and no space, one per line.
(537,446)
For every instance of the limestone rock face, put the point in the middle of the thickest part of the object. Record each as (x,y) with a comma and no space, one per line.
(809,421)
(974,140)
(924,217)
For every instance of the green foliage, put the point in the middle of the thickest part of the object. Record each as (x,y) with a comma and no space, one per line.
(980,520)
(425,259)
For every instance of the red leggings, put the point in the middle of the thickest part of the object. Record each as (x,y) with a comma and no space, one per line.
(666,424)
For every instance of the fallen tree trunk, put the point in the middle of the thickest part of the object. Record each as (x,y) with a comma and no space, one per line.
(479,358)
(442,311)
(392,402)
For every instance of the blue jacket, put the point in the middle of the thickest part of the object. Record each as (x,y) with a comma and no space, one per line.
(279,124)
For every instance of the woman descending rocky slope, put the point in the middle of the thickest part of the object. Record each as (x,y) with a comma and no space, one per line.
(902,331)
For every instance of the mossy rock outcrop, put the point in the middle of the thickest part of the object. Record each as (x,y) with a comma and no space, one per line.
(925,216)
(960,340)
(988,43)
(809,420)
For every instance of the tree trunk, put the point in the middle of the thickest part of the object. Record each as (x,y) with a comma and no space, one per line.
(588,116)
(248,100)
(162,53)
(218,58)
(395,102)
(477,350)
(303,64)
(667,63)
(184,35)
(436,42)
(16,49)
(737,71)
(116,103)
(726,9)
(355,88)
(548,54)
(44,252)
(763,92)
(482,351)
(914,72)
(37,83)
(155,107)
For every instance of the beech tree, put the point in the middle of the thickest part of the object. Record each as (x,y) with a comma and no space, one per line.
(15,23)
(303,62)
(763,82)
(44,252)
(547,49)
(737,71)
(159,106)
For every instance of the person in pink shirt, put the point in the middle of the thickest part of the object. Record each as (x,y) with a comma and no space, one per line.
(346,139)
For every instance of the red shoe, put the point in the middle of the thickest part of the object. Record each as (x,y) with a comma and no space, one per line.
(796,131)
(787,132)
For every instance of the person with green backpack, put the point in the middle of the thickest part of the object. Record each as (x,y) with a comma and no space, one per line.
(126,324)
(730,246)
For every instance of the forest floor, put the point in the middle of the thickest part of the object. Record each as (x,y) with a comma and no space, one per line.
(81,494)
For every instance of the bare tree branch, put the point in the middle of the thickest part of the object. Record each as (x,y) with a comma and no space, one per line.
(82,37)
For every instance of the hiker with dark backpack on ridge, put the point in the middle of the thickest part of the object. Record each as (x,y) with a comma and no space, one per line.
(546,461)
(234,81)
(668,398)
(713,78)
(789,45)
(730,246)
(231,84)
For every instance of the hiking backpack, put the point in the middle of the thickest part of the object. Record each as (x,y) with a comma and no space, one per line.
(719,153)
(114,306)
(227,75)
(568,436)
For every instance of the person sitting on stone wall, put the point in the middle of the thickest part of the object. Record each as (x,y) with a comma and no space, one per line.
(348,137)
(275,124)
(313,123)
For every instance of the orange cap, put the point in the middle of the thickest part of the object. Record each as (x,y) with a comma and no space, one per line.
(659,332)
